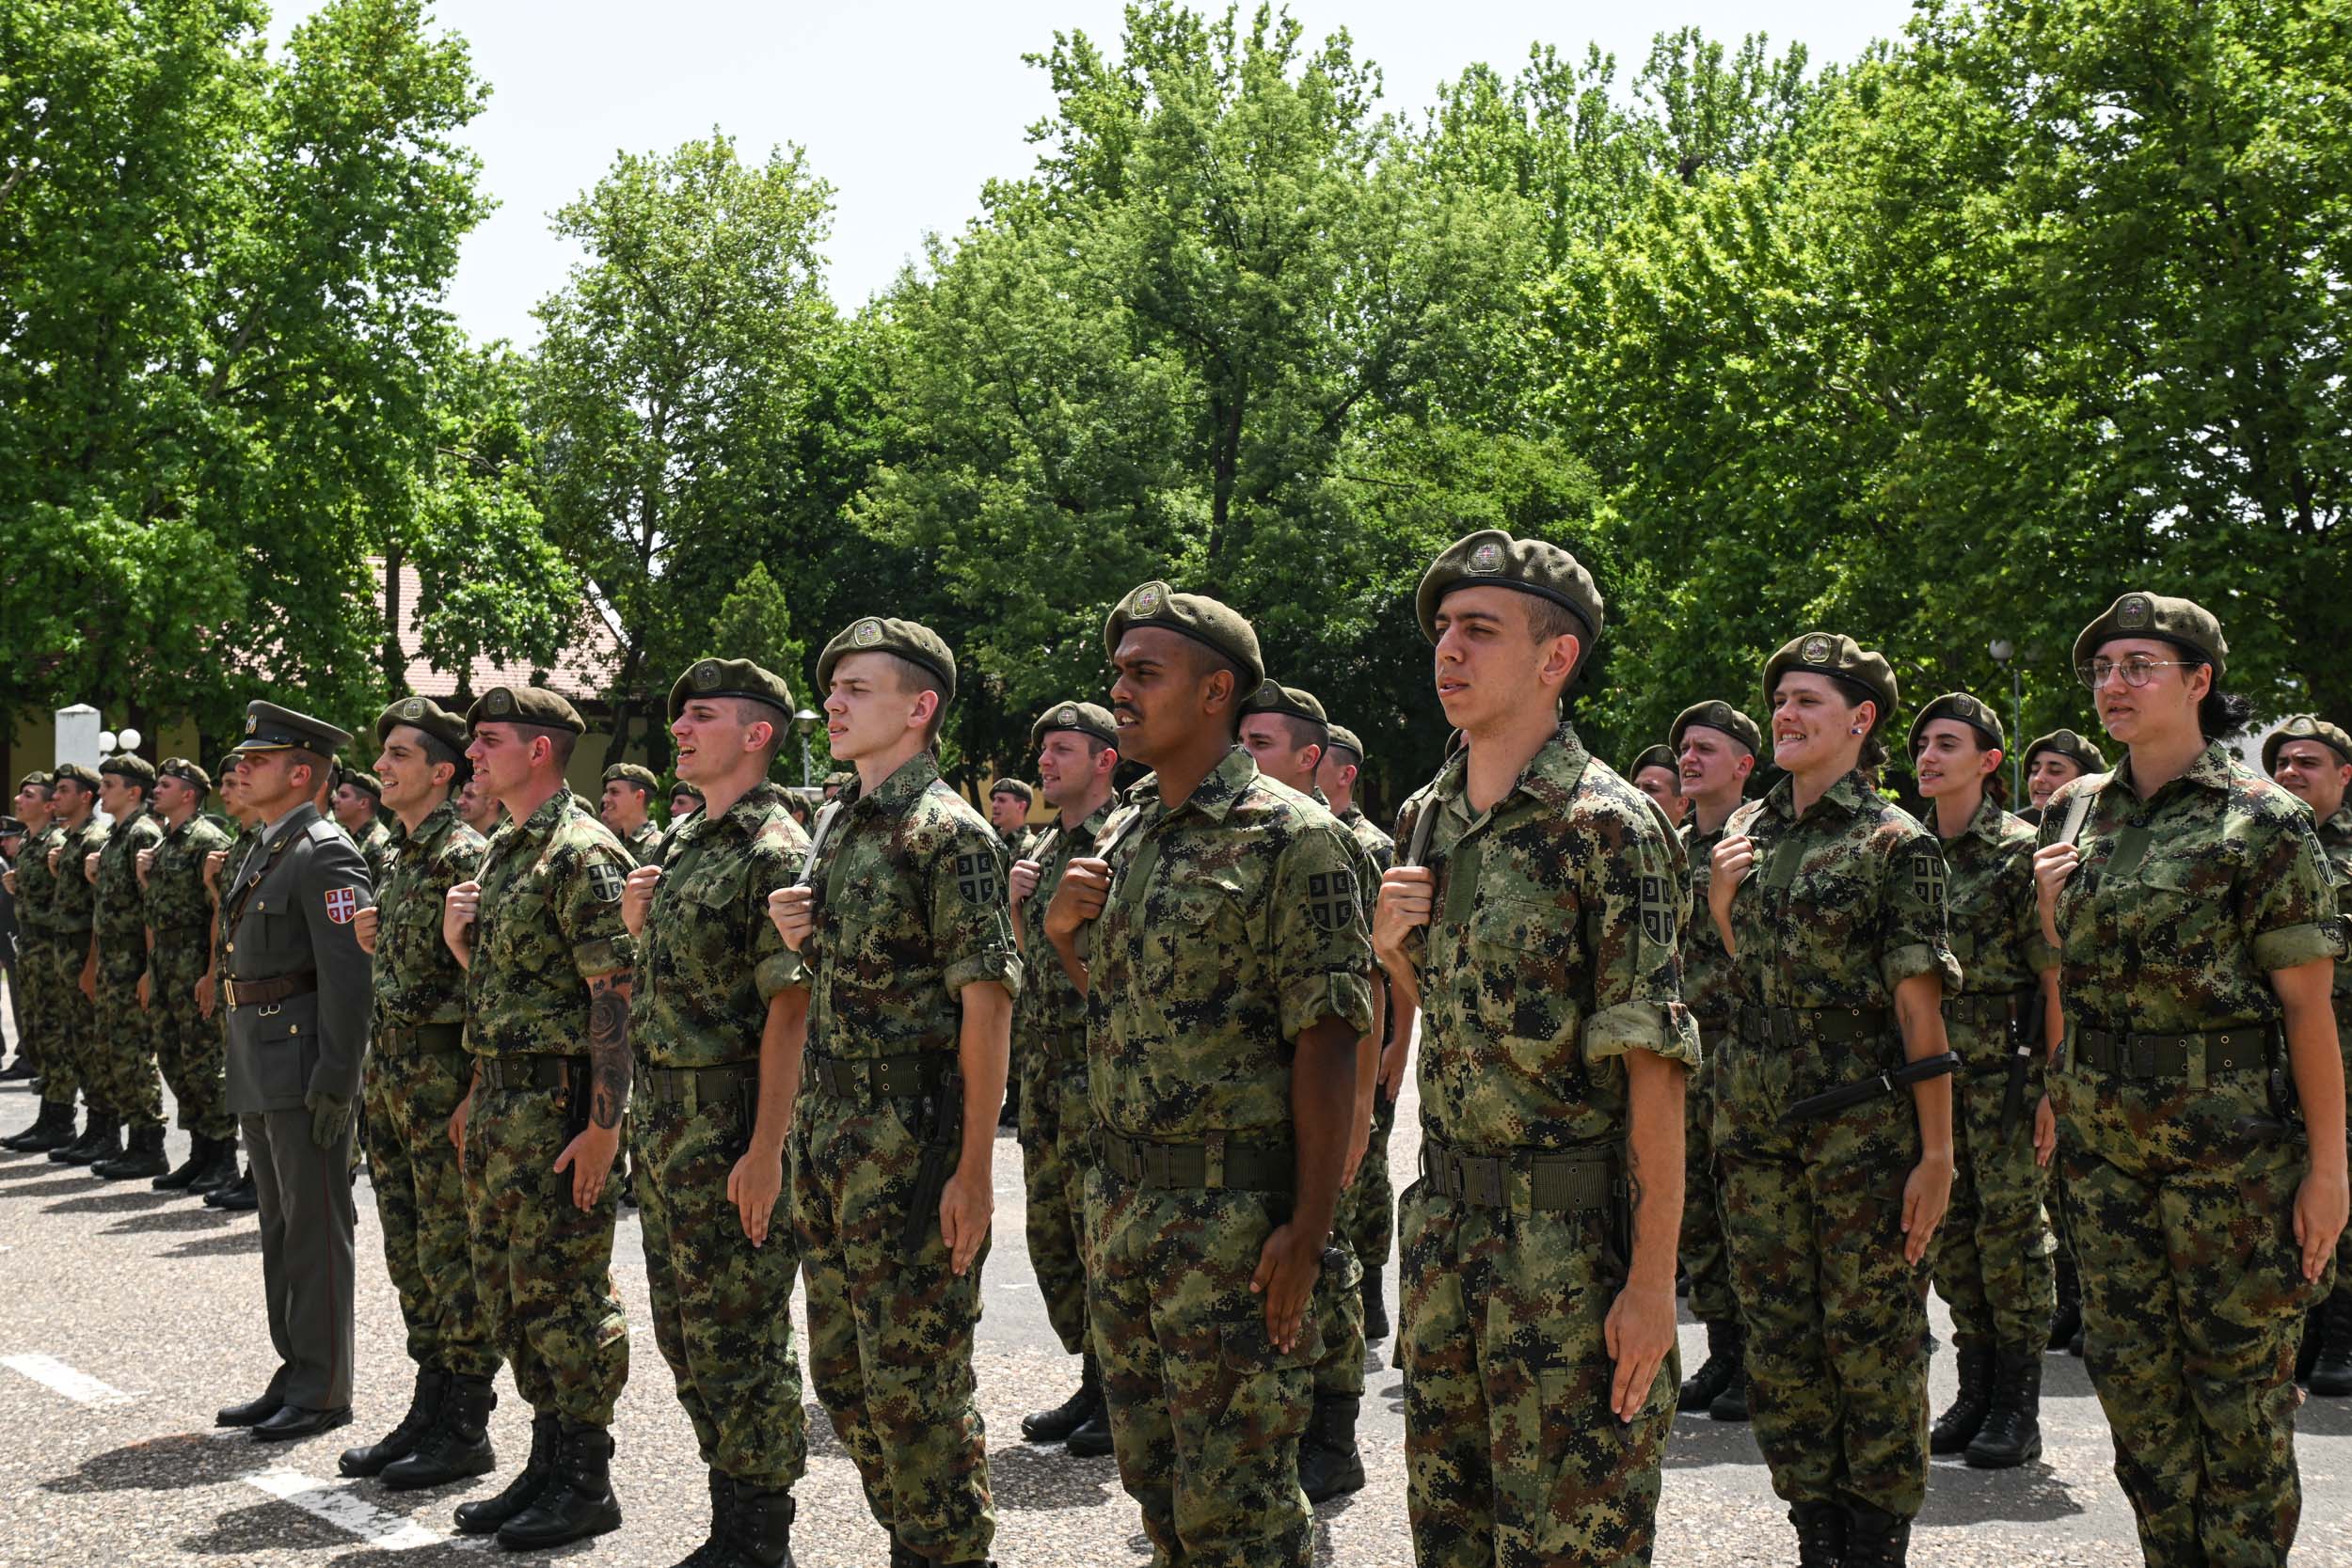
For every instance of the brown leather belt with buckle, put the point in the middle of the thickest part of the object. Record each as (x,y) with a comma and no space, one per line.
(275,987)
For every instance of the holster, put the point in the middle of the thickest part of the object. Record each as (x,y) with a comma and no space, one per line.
(941,1132)
(2025,1034)
(1894,1078)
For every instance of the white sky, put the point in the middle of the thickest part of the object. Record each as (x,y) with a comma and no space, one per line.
(908,108)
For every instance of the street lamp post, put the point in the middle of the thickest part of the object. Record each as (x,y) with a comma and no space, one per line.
(2005,652)
(804,722)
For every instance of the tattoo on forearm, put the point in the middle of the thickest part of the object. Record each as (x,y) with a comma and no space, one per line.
(607,1049)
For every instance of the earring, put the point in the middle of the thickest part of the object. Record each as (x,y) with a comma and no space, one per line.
(1858,730)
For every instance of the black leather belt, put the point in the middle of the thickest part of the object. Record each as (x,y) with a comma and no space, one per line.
(2245,1048)
(691,1086)
(1788,1027)
(909,1076)
(275,987)
(531,1072)
(1559,1182)
(1214,1164)
(426,1039)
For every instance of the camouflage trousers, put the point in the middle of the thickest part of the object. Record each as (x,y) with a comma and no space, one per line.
(2193,1303)
(1368,1207)
(1513,1458)
(1205,1414)
(419,1187)
(35,979)
(1056,1151)
(1837,1318)
(542,1267)
(67,1070)
(1705,1259)
(1994,1260)
(121,1058)
(889,1327)
(189,1049)
(722,1307)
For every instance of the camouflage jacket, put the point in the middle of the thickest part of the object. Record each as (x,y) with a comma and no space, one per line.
(645,845)
(239,843)
(2185,902)
(1995,924)
(1708,984)
(121,911)
(910,910)
(1841,905)
(418,979)
(549,919)
(73,901)
(35,884)
(374,846)
(1233,924)
(1551,952)
(1378,847)
(178,908)
(1053,1013)
(2335,842)
(710,962)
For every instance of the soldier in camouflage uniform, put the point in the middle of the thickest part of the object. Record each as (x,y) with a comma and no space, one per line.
(43,1011)
(418,1074)
(2197,930)
(684,800)
(625,806)
(123,1058)
(1833,1118)
(1009,804)
(2054,759)
(356,799)
(73,899)
(1992,1259)
(902,928)
(2311,760)
(548,979)
(1531,920)
(1218,934)
(234,1191)
(188,1043)
(717,1017)
(1657,774)
(1076,745)
(1714,747)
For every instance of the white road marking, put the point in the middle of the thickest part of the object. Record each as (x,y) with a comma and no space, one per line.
(350,1513)
(55,1376)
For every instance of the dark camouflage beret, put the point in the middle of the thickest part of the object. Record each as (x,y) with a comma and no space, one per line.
(910,640)
(271,728)
(186,770)
(1864,672)
(361,777)
(1013,786)
(81,773)
(2183,622)
(1082,718)
(1722,717)
(129,765)
(228,762)
(36,780)
(1289,701)
(1215,625)
(841,779)
(1977,716)
(2305,727)
(632,773)
(740,677)
(525,704)
(682,788)
(1342,738)
(1492,558)
(2073,747)
(442,729)
(1654,757)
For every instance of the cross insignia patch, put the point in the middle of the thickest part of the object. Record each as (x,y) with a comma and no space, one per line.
(977,879)
(1331,899)
(605,880)
(342,904)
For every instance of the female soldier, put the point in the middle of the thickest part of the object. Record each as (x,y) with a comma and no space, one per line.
(1835,1153)
(2057,758)
(1992,1254)
(2193,918)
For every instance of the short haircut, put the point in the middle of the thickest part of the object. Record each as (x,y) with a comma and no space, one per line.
(560,742)
(1548,619)
(1207,661)
(914,679)
(749,711)
(322,766)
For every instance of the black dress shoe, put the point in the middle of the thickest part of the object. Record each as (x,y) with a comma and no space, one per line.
(293,1421)
(252,1413)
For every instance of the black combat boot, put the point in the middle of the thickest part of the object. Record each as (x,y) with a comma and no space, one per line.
(1375,1306)
(1732,1403)
(51,1129)
(1092,1440)
(424,1408)
(1054,1425)
(103,1141)
(1820,1534)
(1875,1539)
(904,1557)
(176,1180)
(2074,1346)
(538,1473)
(1957,1427)
(1724,1366)
(2331,1369)
(457,1447)
(220,1168)
(1329,1464)
(143,1158)
(236,1195)
(2011,1432)
(2067,1321)
(19,1070)
(758,1531)
(577,1500)
(712,1551)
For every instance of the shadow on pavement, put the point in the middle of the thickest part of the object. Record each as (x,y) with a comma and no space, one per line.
(1959,1495)
(2325,1417)
(183,1216)
(173,1464)
(109,1199)
(1035,1478)
(66,1182)
(1698,1441)
(269,1527)
(226,1244)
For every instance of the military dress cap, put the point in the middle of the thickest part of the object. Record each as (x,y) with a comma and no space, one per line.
(1654,757)
(271,728)
(1091,718)
(877,634)
(1217,627)
(35,779)
(1865,673)
(364,780)
(632,773)
(1491,557)
(741,677)
(1977,716)
(2183,622)
(81,773)
(525,704)
(129,765)
(2306,726)
(11,828)
(1013,786)
(186,771)
(2073,747)
(438,725)
(1288,701)
(1722,717)
(1344,740)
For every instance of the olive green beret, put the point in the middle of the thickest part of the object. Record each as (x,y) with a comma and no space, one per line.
(1013,786)
(227,763)
(1344,740)
(271,728)
(36,780)
(910,640)
(1722,717)
(1864,674)
(2073,747)
(81,773)
(1082,718)
(443,731)
(741,677)
(2183,622)
(1655,756)
(1288,701)
(129,765)
(1213,626)
(525,704)
(364,780)
(682,788)
(186,772)
(1492,557)
(841,779)
(632,774)
(2306,726)
(1960,705)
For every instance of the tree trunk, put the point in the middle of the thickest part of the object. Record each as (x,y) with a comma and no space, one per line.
(395,648)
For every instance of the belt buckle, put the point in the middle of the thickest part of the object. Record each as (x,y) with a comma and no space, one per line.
(229,993)
(1482,1182)
(2138,1056)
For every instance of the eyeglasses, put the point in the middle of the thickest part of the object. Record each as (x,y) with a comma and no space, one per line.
(2138,670)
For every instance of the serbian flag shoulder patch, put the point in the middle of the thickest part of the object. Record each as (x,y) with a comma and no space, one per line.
(342,904)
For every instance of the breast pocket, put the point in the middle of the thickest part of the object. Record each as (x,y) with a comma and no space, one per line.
(286,1050)
(518,927)
(1185,922)
(1524,953)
